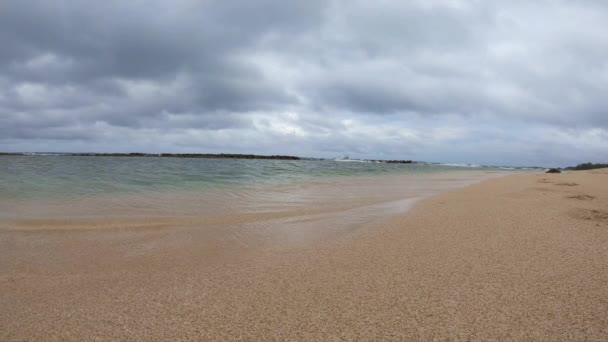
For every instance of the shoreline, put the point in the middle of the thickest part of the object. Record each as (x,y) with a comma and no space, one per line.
(518,257)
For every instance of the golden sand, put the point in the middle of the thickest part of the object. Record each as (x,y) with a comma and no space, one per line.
(523,257)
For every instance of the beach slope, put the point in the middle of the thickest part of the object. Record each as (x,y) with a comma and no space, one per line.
(521,257)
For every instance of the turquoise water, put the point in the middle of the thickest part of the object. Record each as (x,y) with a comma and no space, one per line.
(25,177)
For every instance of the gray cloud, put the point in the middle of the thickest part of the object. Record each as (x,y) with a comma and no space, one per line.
(420,79)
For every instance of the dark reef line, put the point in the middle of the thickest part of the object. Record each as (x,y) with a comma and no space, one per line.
(188,155)
(168,155)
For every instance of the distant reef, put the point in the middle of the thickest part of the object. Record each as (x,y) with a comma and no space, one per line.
(162,155)
(189,155)
(398,161)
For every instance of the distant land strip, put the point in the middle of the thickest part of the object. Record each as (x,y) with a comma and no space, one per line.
(587,166)
(189,155)
(165,155)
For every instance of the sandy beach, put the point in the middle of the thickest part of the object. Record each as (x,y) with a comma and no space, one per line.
(521,257)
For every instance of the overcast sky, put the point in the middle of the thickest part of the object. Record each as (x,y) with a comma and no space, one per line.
(494,82)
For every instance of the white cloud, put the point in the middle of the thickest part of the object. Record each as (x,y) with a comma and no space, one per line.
(515,82)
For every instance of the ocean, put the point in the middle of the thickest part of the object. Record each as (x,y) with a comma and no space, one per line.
(58,191)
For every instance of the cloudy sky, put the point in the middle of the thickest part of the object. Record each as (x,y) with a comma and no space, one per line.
(497,82)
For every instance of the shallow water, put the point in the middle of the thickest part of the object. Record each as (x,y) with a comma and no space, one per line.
(225,200)
(58,176)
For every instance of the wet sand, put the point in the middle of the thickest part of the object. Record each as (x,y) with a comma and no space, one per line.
(522,257)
